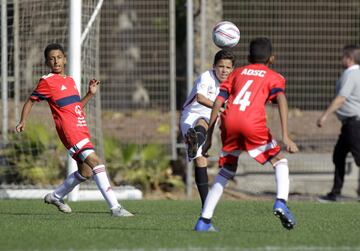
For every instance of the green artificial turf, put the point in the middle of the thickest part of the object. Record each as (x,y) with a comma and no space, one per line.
(168,225)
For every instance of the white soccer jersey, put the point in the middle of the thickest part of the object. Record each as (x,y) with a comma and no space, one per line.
(207,85)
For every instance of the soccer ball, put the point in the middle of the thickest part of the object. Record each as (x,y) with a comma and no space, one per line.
(225,34)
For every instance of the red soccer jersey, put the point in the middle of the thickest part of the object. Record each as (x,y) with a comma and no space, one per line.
(64,100)
(249,88)
(243,123)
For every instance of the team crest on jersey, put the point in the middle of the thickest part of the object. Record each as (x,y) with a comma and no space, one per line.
(63,87)
(80,116)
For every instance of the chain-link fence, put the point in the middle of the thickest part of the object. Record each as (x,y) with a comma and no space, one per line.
(128,49)
(135,70)
(308,37)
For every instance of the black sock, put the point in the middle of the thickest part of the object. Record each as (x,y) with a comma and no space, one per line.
(201,134)
(201,179)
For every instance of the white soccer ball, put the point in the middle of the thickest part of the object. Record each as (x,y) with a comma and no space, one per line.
(225,34)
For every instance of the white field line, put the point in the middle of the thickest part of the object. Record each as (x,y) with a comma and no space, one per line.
(270,248)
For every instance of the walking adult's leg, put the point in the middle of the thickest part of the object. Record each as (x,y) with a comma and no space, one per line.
(341,150)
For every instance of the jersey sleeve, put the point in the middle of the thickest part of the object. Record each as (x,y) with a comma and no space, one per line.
(202,86)
(41,92)
(226,87)
(276,86)
(348,84)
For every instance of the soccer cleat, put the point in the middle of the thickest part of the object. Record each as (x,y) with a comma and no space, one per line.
(283,213)
(192,141)
(201,226)
(120,212)
(59,203)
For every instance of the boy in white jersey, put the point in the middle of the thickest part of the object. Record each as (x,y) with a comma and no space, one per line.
(196,114)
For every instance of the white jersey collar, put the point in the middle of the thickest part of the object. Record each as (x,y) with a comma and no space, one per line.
(353,67)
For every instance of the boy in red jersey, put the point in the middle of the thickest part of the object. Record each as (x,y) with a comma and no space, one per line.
(66,106)
(243,128)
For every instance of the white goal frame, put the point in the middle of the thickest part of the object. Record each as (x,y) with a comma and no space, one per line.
(76,38)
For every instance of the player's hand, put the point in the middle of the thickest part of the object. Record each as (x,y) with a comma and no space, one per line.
(20,127)
(93,84)
(205,147)
(320,121)
(290,145)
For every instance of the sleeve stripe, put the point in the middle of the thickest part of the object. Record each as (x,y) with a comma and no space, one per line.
(276,90)
(38,95)
(224,94)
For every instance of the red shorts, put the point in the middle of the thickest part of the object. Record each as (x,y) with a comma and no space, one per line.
(76,140)
(81,150)
(256,140)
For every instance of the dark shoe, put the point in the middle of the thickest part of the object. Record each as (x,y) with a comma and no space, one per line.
(192,142)
(330,197)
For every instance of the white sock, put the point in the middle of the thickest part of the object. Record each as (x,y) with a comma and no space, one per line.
(68,185)
(104,186)
(215,192)
(282,179)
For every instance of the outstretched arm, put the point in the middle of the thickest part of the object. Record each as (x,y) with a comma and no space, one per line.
(24,115)
(291,147)
(93,84)
(335,104)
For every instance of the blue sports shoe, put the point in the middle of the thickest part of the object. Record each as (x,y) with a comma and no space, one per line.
(283,213)
(201,226)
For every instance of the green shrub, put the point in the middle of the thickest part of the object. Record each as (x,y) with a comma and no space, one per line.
(34,156)
(147,168)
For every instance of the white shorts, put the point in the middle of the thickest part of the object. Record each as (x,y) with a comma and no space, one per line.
(189,120)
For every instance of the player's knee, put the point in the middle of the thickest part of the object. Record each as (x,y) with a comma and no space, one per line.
(200,161)
(92,160)
(202,123)
(229,161)
(278,158)
(85,171)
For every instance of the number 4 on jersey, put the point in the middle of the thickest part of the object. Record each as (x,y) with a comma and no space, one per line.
(242,98)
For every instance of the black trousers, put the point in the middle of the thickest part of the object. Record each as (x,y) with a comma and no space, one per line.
(349,141)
